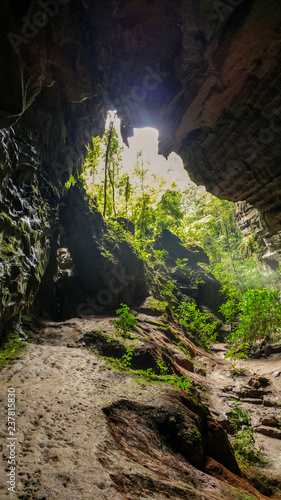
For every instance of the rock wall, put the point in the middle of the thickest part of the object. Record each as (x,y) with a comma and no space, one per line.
(250,222)
(206,77)
(27,221)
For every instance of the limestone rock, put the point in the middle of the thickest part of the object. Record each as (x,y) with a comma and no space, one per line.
(258,382)
(192,280)
(126,224)
(107,270)
(271,421)
(217,449)
(200,78)
(184,362)
(168,241)
(269,431)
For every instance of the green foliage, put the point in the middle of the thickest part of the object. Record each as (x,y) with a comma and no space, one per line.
(258,317)
(237,416)
(200,324)
(12,347)
(182,382)
(230,309)
(71,182)
(160,254)
(169,211)
(244,444)
(233,369)
(126,321)
(161,366)
(101,170)
(198,217)
(169,289)
(245,449)
(127,358)
(182,263)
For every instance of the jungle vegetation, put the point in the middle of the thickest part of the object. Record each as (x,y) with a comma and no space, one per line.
(252,290)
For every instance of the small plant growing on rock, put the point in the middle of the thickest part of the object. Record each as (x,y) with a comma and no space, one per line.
(244,443)
(238,416)
(181,263)
(169,289)
(159,254)
(162,368)
(126,321)
(185,383)
(127,358)
(197,322)
(254,315)
(236,371)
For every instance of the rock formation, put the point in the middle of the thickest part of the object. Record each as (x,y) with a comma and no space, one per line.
(205,74)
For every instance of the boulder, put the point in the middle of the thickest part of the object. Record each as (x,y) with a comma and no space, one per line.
(183,362)
(269,431)
(107,268)
(258,382)
(192,280)
(271,421)
(168,241)
(219,447)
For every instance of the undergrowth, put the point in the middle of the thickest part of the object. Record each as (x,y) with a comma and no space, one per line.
(10,349)
(245,444)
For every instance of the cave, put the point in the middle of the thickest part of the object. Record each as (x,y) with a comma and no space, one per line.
(205,74)
(209,86)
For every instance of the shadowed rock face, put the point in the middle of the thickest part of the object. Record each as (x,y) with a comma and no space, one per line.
(207,78)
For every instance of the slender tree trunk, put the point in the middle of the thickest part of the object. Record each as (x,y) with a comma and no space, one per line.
(127,194)
(106,167)
(112,182)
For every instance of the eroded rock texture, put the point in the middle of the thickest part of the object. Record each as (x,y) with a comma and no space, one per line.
(207,78)
(251,224)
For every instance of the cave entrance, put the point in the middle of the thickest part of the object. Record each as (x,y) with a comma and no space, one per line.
(119,172)
(146,140)
(146,195)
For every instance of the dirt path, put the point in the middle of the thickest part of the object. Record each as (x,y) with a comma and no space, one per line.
(222,386)
(61,428)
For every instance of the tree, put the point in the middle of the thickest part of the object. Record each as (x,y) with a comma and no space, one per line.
(258,317)
(142,211)
(169,210)
(105,156)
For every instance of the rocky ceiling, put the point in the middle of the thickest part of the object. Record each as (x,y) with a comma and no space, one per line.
(206,74)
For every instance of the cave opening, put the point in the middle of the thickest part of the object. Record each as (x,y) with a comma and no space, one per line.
(146,195)
(206,75)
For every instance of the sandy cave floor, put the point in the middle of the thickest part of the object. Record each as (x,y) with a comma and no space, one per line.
(61,430)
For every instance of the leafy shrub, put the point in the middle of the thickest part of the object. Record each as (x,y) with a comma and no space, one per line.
(169,289)
(126,321)
(181,263)
(239,417)
(127,358)
(185,383)
(258,317)
(159,254)
(244,443)
(162,368)
(199,323)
